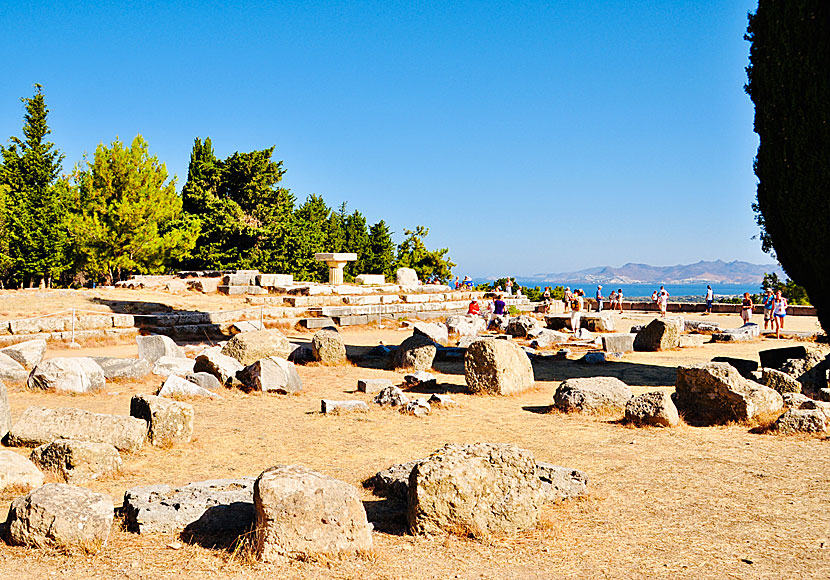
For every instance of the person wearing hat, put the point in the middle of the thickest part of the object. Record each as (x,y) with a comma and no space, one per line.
(599,298)
(473,309)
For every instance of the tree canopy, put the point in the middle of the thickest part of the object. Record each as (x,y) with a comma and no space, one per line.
(788,80)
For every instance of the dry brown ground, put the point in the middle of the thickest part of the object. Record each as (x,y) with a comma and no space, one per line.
(715,502)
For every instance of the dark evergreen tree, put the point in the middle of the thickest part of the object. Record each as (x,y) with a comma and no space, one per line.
(311,228)
(35,210)
(357,241)
(380,252)
(789,83)
(413,253)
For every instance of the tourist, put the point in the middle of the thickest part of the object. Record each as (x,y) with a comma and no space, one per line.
(508,286)
(620,299)
(546,300)
(568,298)
(473,309)
(457,283)
(468,283)
(613,299)
(577,303)
(654,297)
(779,312)
(519,292)
(600,298)
(710,297)
(769,304)
(746,308)
(663,299)
(498,310)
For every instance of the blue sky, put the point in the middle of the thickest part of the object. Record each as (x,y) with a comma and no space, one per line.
(528,136)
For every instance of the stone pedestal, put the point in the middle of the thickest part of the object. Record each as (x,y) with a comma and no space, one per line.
(336,262)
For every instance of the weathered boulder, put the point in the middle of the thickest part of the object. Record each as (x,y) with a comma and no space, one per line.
(370,279)
(716,392)
(271,374)
(74,374)
(599,322)
(123,368)
(11,370)
(499,323)
(77,461)
(217,507)
(420,379)
(16,470)
(774,358)
(654,409)
(810,370)
(594,358)
(169,365)
(522,326)
(212,361)
(659,334)
(249,347)
(592,394)
(477,489)
(801,421)
(392,482)
(781,382)
(794,400)
(329,407)
(692,340)
(301,513)
(205,380)
(373,385)
(419,407)
(497,367)
(546,338)
(153,347)
(438,400)
(327,346)
(391,396)
(435,331)
(28,353)
(417,352)
(175,386)
(560,483)
(61,516)
(406,277)
(170,422)
(623,342)
(39,425)
(5,411)
(749,331)
(822,406)
(465,325)
(701,326)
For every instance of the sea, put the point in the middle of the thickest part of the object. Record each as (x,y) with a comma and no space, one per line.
(631,291)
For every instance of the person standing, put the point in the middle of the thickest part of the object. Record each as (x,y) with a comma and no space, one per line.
(663,300)
(600,298)
(779,312)
(710,297)
(568,299)
(620,299)
(508,286)
(613,298)
(769,304)
(546,300)
(577,304)
(746,308)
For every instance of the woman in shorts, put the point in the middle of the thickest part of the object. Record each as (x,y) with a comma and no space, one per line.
(577,304)
(779,312)
(746,308)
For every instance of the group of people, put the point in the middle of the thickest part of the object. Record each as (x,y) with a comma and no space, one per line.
(775,310)
(496,308)
(661,299)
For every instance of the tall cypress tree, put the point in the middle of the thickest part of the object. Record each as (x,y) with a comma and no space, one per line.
(35,210)
(789,83)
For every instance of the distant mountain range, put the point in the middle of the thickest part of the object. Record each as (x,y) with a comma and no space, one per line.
(719,272)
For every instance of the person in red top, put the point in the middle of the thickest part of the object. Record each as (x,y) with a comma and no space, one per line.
(473,309)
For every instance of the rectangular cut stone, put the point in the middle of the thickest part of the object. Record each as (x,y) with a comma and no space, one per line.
(39,425)
(362,300)
(241,278)
(351,320)
(373,385)
(123,320)
(329,407)
(274,280)
(618,342)
(313,323)
(371,279)
(411,298)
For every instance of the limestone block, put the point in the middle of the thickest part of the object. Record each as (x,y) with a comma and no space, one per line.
(327,346)
(153,347)
(592,394)
(77,461)
(223,367)
(16,470)
(249,347)
(271,374)
(654,409)
(417,352)
(173,365)
(170,422)
(73,374)
(497,367)
(28,353)
(329,407)
(175,386)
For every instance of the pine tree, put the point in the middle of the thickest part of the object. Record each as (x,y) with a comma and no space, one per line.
(35,212)
(380,251)
(130,217)
(356,241)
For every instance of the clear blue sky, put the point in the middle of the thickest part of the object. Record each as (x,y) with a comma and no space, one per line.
(528,136)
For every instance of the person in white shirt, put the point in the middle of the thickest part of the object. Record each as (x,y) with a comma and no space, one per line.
(710,297)
(779,312)
(663,300)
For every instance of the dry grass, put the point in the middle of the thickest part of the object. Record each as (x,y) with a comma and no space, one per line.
(686,502)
